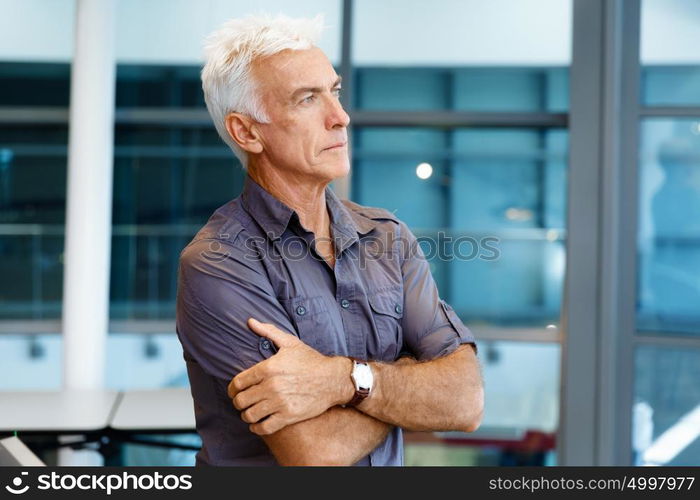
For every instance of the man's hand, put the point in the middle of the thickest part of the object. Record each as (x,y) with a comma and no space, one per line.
(297,383)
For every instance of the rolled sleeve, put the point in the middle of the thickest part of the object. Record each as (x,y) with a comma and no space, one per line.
(431,327)
(217,293)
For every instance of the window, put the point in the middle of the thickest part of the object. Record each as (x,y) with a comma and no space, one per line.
(669,232)
(667,406)
(490,215)
(168,180)
(461,110)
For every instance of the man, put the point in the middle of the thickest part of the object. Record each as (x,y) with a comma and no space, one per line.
(304,345)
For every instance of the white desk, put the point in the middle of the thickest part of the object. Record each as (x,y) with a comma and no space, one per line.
(56,412)
(102,416)
(167,410)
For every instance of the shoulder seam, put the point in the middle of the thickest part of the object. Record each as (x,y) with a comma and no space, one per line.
(225,238)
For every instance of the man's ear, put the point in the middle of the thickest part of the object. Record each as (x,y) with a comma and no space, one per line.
(242,129)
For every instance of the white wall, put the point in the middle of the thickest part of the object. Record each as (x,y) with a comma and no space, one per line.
(438,32)
(463,32)
(172,31)
(670,32)
(36,30)
(148,31)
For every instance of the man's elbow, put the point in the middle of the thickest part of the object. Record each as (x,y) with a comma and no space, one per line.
(472,423)
(472,410)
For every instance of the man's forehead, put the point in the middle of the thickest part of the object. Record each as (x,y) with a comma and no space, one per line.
(292,69)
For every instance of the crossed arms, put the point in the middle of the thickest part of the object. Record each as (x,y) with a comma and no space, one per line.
(291,399)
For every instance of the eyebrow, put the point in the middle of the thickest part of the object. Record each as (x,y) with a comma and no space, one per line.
(314,90)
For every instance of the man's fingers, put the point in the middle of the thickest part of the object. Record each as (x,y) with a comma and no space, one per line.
(257,412)
(243,380)
(248,397)
(267,330)
(270,425)
(231,389)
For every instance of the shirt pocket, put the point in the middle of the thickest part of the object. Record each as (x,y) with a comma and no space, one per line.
(312,321)
(387,312)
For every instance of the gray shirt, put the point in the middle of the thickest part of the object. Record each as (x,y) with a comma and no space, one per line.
(254,259)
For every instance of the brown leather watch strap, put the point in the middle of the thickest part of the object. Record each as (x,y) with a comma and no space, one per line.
(359,397)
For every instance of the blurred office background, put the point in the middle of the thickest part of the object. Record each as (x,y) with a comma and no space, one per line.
(567,129)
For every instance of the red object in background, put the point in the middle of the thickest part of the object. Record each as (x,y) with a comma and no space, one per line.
(532,441)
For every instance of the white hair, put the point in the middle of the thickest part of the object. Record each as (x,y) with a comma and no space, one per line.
(229,53)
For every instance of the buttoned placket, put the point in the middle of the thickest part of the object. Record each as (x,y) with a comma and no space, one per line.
(346,291)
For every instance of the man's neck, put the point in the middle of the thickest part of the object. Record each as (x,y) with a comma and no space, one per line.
(308,200)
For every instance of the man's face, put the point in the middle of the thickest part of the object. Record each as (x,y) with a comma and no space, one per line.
(307,133)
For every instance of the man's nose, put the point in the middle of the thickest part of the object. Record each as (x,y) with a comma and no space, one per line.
(336,115)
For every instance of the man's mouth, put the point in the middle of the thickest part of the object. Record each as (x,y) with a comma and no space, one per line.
(338,145)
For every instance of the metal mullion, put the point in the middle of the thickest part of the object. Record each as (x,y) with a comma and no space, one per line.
(453,119)
(600,290)
(577,415)
(199,117)
(618,276)
(670,339)
(670,112)
(346,96)
(343,187)
(21,115)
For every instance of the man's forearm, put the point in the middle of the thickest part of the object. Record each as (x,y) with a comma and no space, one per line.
(340,436)
(442,394)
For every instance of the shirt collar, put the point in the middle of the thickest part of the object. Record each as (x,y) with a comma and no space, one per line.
(274,217)
(271,214)
(346,224)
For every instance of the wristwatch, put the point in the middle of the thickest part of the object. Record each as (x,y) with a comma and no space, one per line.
(362,379)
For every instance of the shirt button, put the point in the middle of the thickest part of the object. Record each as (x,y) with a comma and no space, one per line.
(345,303)
(398,309)
(266,345)
(301,310)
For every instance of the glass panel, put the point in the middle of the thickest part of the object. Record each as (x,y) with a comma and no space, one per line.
(167,182)
(32,214)
(490,215)
(518,410)
(159,86)
(669,228)
(670,86)
(34,84)
(666,416)
(671,63)
(501,55)
(462,89)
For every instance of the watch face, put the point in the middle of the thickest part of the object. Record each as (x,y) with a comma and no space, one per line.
(363,376)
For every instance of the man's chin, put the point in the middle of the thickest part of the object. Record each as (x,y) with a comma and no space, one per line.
(337,171)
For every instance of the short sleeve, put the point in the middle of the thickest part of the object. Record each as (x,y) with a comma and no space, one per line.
(431,327)
(218,290)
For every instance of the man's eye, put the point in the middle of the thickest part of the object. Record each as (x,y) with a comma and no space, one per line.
(336,92)
(308,98)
